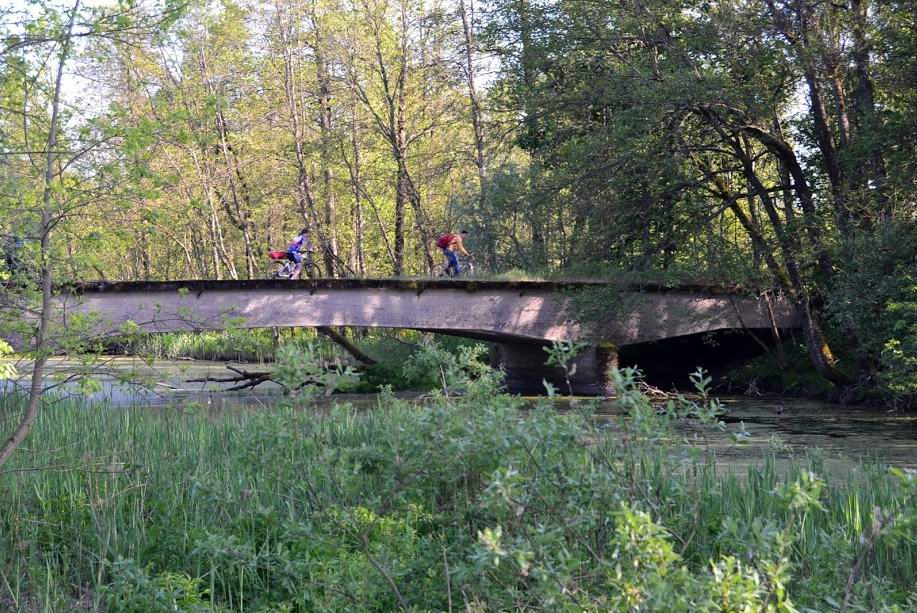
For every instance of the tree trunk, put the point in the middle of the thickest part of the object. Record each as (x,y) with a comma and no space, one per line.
(477,124)
(818,349)
(33,405)
(359,258)
(345,344)
(219,243)
(817,346)
(474,103)
(237,213)
(330,251)
(304,193)
(864,99)
(865,96)
(842,119)
(785,154)
(400,197)
(807,52)
(399,150)
(829,153)
(532,142)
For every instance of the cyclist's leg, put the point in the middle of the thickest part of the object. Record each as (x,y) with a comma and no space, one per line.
(310,265)
(296,257)
(452,257)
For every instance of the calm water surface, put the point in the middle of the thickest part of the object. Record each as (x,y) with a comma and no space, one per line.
(786,426)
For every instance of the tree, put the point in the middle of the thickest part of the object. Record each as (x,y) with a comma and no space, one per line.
(55,189)
(668,138)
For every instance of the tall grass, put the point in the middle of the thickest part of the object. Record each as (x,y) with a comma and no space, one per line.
(260,345)
(223,345)
(461,502)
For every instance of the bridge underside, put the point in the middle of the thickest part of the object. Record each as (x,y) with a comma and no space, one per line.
(665,364)
(521,317)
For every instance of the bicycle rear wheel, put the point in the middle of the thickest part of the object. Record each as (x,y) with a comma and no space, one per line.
(282,272)
(441,271)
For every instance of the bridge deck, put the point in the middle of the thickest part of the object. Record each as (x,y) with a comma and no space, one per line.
(409,283)
(508,311)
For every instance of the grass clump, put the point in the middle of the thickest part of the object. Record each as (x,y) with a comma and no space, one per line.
(220,345)
(464,503)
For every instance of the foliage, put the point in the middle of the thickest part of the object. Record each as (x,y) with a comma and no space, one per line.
(765,375)
(225,345)
(462,500)
(753,143)
(464,370)
(7,369)
(876,296)
(133,589)
(303,372)
(767,144)
(393,350)
(562,354)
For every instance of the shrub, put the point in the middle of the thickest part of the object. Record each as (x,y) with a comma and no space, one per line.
(467,501)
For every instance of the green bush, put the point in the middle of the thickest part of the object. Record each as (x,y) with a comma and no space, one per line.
(467,501)
(873,306)
(133,589)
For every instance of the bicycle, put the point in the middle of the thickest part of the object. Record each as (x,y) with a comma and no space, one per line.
(466,268)
(288,266)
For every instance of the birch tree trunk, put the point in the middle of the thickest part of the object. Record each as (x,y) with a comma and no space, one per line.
(358,255)
(325,116)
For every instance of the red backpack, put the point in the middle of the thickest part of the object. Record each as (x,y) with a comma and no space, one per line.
(443,241)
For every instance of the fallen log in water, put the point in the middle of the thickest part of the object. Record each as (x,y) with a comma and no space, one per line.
(244,378)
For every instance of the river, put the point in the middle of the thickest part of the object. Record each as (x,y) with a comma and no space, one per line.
(785,427)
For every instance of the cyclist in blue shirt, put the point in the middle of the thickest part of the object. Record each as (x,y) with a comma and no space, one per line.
(302,243)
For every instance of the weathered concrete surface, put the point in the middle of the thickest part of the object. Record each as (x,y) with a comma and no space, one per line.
(521,316)
(496,310)
(526,371)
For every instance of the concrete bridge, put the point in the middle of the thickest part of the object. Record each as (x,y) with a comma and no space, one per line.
(521,316)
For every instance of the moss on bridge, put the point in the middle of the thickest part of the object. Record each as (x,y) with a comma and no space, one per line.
(397,283)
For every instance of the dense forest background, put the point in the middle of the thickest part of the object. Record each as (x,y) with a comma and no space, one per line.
(766,143)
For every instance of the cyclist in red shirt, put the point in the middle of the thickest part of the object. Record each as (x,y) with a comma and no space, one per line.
(452,244)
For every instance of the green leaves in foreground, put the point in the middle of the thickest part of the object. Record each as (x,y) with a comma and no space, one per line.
(303,372)
(7,369)
(465,500)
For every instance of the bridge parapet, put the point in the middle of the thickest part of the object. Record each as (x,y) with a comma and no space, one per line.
(523,310)
(521,315)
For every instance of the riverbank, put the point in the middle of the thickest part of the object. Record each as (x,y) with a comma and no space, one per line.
(292,506)
(786,426)
(784,373)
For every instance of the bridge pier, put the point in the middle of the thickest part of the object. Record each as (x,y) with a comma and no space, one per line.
(524,365)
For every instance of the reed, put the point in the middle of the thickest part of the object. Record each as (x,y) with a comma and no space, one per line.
(288,509)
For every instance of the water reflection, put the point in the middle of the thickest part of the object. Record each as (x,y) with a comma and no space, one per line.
(788,427)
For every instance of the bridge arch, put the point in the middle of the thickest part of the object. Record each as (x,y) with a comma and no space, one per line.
(521,316)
